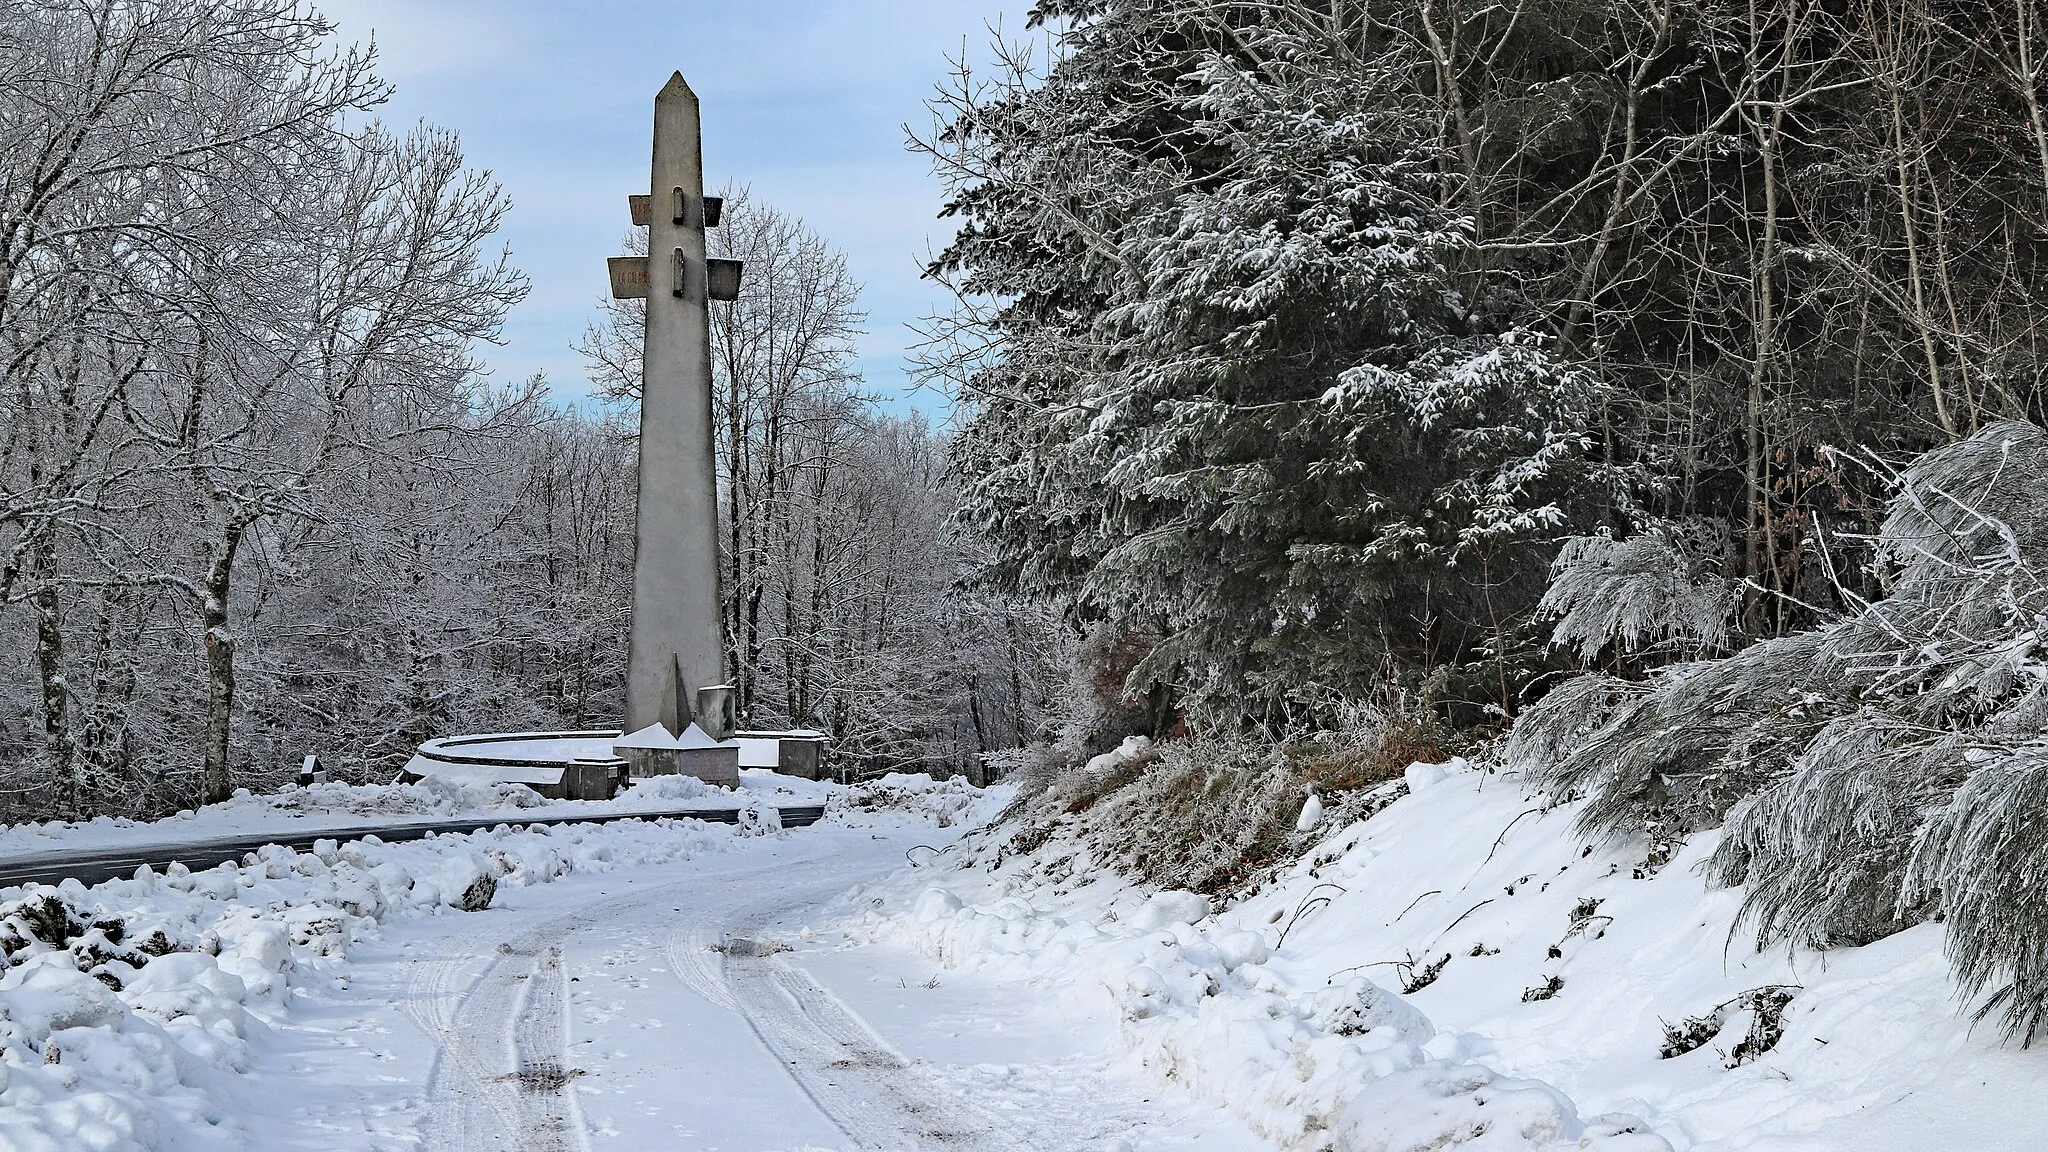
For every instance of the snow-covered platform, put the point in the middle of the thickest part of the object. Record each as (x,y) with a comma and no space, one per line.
(593,765)
(558,765)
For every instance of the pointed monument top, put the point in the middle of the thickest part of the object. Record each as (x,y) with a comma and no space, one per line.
(677,88)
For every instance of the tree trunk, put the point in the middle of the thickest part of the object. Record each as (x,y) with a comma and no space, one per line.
(1016,680)
(220,665)
(60,750)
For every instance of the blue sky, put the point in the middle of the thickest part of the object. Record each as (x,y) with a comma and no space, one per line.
(803,99)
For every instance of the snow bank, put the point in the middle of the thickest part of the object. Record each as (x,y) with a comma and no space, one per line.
(1460,971)
(942,802)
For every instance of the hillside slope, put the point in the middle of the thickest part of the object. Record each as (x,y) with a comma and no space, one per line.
(1460,970)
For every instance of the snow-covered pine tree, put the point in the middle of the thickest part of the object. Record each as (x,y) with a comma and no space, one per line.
(1240,398)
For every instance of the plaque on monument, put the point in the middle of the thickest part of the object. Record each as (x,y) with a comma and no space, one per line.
(629,277)
(722,279)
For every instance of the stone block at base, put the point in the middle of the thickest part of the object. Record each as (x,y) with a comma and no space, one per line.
(591,779)
(799,752)
(799,758)
(715,765)
(720,765)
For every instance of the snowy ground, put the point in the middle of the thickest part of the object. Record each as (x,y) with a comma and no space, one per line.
(1539,971)
(633,985)
(1457,972)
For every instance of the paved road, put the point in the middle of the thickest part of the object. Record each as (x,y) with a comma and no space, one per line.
(91,866)
(709,1003)
(496,1001)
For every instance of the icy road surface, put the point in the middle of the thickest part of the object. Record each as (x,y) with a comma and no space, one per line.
(698,1005)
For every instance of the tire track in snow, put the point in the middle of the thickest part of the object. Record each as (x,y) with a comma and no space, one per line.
(548,1117)
(879,1100)
(466,1105)
(692,954)
(876,1097)
(501,1080)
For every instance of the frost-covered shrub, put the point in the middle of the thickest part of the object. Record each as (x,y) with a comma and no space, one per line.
(943,802)
(1202,814)
(1368,746)
(1652,589)
(1824,849)
(1677,752)
(1078,789)
(1984,856)
(1543,738)
(1206,815)
(1765,1008)
(1873,772)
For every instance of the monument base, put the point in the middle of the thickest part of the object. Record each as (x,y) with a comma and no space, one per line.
(712,765)
(798,752)
(595,765)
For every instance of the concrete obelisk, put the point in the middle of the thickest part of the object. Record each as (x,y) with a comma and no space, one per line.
(676,659)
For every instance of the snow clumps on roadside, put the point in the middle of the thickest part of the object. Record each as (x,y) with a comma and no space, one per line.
(943,802)
(124,1006)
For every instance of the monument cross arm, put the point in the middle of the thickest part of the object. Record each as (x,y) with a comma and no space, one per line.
(629,277)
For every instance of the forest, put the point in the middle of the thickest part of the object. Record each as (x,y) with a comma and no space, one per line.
(1657,385)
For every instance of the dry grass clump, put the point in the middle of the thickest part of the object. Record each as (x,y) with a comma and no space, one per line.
(1205,815)
(1080,790)
(1215,814)
(1370,748)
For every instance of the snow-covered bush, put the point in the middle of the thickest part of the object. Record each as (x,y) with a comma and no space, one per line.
(1873,772)
(1983,855)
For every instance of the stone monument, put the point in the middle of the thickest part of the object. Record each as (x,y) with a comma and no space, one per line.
(676,652)
(679,708)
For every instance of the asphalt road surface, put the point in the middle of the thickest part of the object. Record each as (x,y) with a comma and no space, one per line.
(91,866)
